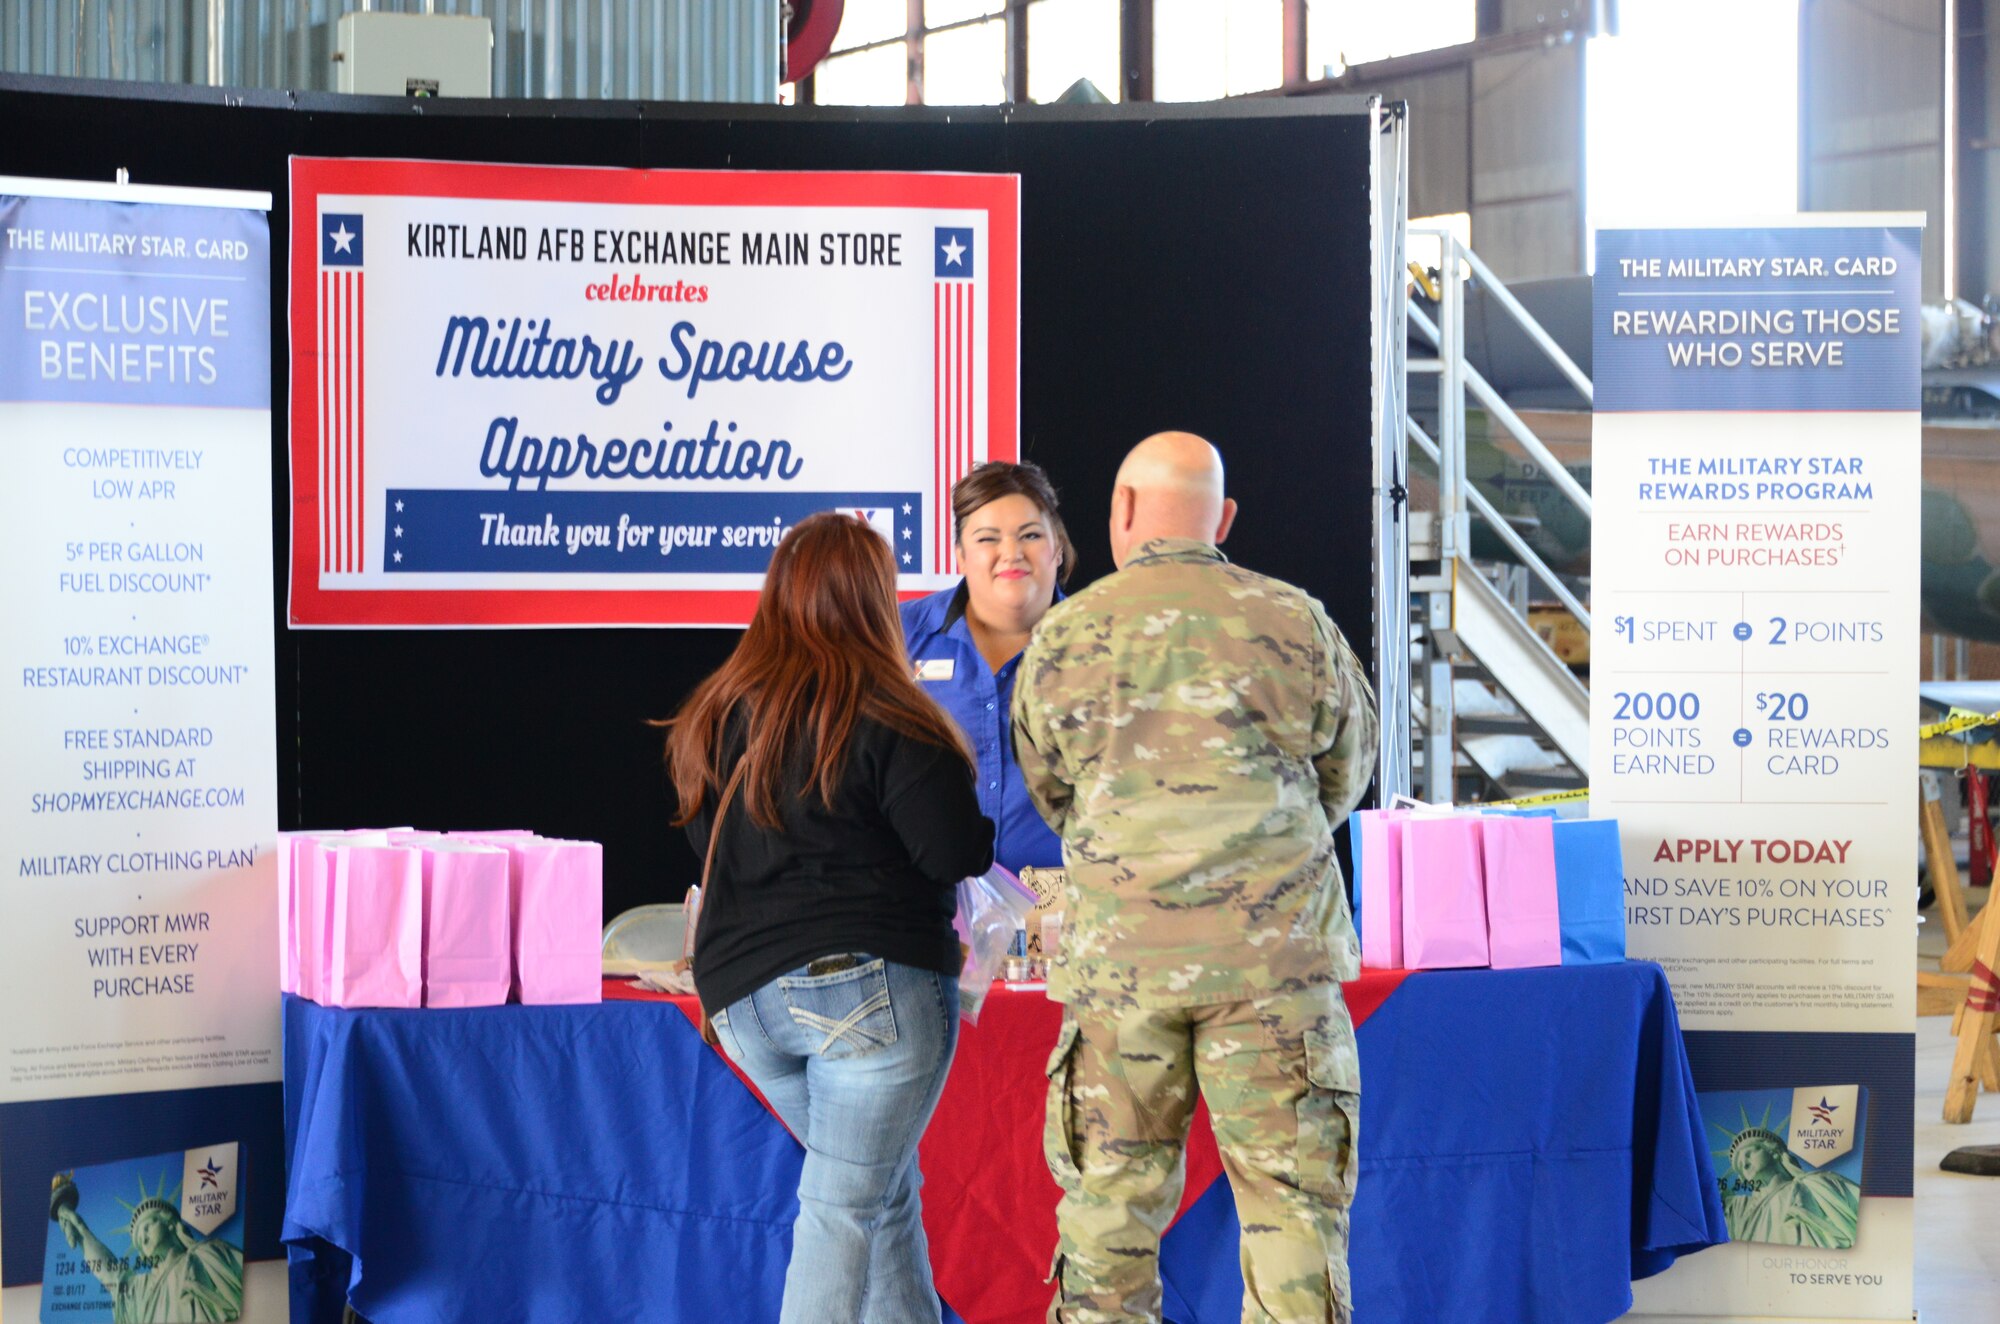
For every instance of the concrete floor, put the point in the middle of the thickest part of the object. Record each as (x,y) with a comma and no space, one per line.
(1958,1217)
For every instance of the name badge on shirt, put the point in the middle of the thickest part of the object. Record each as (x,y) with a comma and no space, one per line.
(936,668)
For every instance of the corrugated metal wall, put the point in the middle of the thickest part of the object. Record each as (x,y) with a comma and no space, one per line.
(1871,114)
(1528,162)
(1978,146)
(657,50)
(1500,135)
(1440,129)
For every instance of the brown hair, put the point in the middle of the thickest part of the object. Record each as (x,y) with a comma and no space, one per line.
(997,478)
(823,650)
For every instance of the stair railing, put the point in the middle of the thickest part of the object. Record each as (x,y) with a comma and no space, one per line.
(1458,498)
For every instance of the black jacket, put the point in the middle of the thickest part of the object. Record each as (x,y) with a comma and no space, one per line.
(877,874)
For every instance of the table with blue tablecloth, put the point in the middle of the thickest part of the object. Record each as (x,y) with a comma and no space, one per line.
(1530,1144)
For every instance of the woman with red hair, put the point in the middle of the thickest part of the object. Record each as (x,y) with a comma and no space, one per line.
(825,952)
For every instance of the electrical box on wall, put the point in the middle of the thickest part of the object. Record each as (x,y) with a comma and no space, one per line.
(414,55)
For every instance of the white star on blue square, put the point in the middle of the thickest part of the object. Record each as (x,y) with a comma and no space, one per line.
(340,239)
(953,250)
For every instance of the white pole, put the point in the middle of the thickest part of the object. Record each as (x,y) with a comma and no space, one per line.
(215,42)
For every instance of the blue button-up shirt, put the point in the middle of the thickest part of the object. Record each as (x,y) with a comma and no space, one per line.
(951,670)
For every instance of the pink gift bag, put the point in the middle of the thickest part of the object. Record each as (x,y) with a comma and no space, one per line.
(1523,919)
(376,939)
(1444,893)
(288,914)
(292,869)
(558,894)
(312,900)
(468,925)
(1378,857)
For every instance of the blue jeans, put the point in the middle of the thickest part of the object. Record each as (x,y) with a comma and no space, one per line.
(853,1062)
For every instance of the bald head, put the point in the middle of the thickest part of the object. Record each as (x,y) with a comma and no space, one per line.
(1170,486)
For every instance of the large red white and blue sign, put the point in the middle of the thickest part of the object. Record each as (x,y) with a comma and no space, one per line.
(527,395)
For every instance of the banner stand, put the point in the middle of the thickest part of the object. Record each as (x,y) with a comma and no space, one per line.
(141,1155)
(1755,472)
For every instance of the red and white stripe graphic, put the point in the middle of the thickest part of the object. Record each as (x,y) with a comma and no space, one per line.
(341,383)
(952,383)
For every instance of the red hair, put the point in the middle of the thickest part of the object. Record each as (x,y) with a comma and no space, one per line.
(823,650)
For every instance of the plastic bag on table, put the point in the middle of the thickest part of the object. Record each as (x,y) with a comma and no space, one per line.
(991,908)
(691,915)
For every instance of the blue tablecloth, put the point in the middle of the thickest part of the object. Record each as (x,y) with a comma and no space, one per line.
(1530,1144)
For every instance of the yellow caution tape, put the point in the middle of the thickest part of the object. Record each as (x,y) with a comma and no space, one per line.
(1958,721)
(1946,753)
(1552,798)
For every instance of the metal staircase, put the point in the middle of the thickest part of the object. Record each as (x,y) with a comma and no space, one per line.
(1495,712)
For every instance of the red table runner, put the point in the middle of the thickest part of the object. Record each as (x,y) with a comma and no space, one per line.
(989,1202)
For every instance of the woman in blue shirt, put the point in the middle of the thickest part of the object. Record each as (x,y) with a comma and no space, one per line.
(966,642)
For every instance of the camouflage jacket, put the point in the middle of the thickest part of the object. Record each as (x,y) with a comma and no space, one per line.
(1194,732)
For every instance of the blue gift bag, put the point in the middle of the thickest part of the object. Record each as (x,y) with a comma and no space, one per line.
(1354,880)
(1590,890)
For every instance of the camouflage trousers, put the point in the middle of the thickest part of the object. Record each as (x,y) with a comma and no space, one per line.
(1282,1082)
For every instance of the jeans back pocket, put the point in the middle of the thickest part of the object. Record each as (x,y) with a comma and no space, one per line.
(845,1014)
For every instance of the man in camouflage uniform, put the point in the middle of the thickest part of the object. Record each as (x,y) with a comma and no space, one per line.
(1194,732)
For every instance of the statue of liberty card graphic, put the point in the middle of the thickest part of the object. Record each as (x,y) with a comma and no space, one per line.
(1788,1162)
(156,1240)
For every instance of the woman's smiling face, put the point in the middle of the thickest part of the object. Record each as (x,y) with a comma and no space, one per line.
(1010,559)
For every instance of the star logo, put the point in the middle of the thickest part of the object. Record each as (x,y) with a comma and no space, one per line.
(342,240)
(906,531)
(209,1175)
(399,558)
(906,558)
(1823,1111)
(399,507)
(952,249)
(399,530)
(906,507)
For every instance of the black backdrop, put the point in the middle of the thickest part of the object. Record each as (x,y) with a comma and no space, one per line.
(1198,268)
